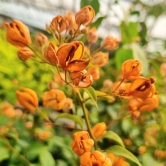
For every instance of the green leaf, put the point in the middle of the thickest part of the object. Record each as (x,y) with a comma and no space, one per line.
(104,95)
(129,31)
(94,3)
(122,55)
(113,136)
(75,118)
(98,22)
(121,151)
(139,54)
(91,93)
(46,159)
(4,153)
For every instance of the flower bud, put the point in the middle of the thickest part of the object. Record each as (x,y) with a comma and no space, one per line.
(82,142)
(40,39)
(96,158)
(100,58)
(50,54)
(142,88)
(107,84)
(92,35)
(8,110)
(94,72)
(81,79)
(27,98)
(70,18)
(85,16)
(99,130)
(59,24)
(25,53)
(110,43)
(131,69)
(17,34)
(117,161)
(68,105)
(70,56)
(54,99)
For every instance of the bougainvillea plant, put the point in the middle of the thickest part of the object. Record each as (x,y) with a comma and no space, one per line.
(77,66)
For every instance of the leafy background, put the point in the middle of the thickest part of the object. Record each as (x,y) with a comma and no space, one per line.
(21,146)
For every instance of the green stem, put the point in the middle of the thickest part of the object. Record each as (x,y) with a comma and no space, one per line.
(97,50)
(86,118)
(17,153)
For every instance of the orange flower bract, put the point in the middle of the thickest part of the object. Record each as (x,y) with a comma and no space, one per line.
(131,69)
(50,54)
(99,130)
(70,56)
(25,53)
(85,15)
(59,24)
(82,142)
(54,99)
(96,158)
(27,98)
(117,161)
(17,34)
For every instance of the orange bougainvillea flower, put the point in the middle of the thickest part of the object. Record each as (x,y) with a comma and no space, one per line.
(54,99)
(131,69)
(100,58)
(40,39)
(70,18)
(94,72)
(92,35)
(25,53)
(68,105)
(81,79)
(146,104)
(99,130)
(117,161)
(96,158)
(17,34)
(85,15)
(70,56)
(59,24)
(50,54)
(110,43)
(82,142)
(27,98)
(142,88)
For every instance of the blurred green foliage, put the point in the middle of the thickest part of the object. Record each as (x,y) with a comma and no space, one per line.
(22,147)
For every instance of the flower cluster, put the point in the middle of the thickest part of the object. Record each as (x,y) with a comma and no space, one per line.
(82,145)
(69,56)
(140,91)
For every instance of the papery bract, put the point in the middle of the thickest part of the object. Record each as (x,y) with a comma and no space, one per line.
(59,24)
(24,53)
(70,18)
(110,43)
(82,142)
(54,99)
(96,158)
(142,88)
(92,35)
(94,72)
(85,16)
(145,104)
(117,161)
(81,79)
(100,58)
(17,34)
(50,54)
(99,130)
(40,39)
(70,56)
(27,98)
(131,69)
